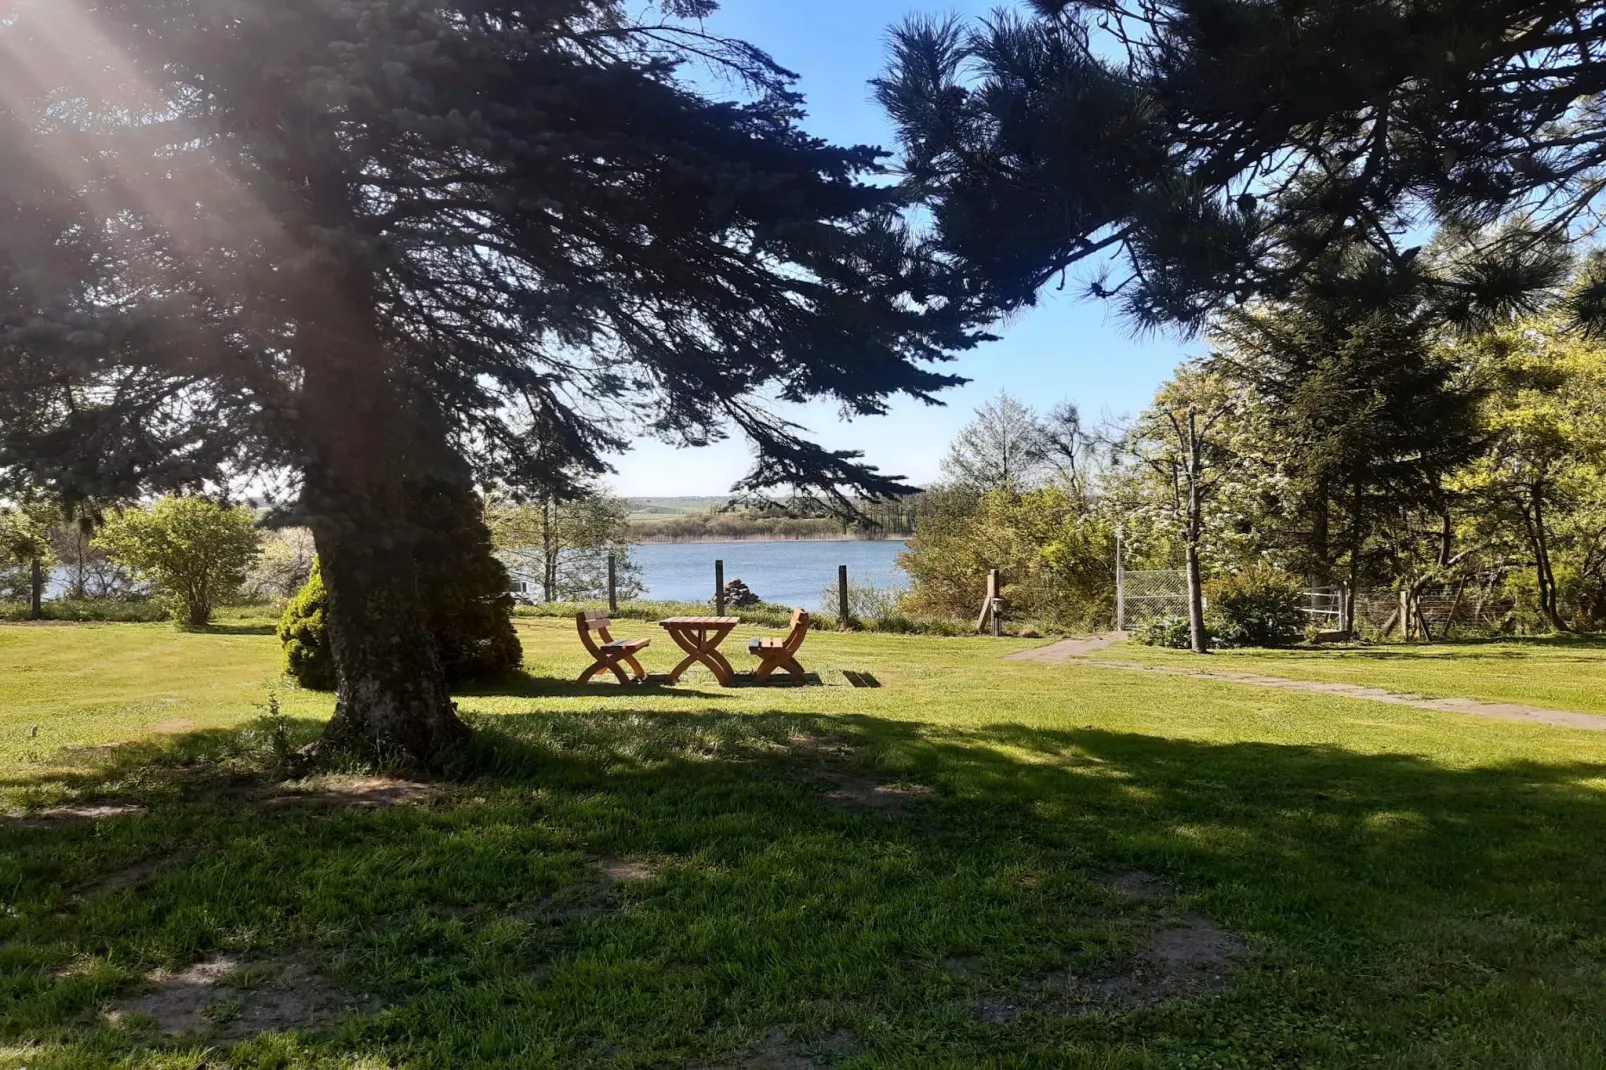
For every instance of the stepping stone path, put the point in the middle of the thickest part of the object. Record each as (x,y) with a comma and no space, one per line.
(1066,649)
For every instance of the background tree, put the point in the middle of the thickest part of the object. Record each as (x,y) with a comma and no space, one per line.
(193,550)
(1056,557)
(1006,445)
(27,537)
(1363,412)
(1546,414)
(1185,446)
(564,544)
(283,566)
(284,235)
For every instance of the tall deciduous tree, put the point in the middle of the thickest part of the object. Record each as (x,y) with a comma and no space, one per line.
(355,239)
(27,536)
(1187,444)
(1005,446)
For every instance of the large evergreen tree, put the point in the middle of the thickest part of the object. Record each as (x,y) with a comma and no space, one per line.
(1207,151)
(356,240)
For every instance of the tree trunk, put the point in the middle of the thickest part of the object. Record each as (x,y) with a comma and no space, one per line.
(371,432)
(36,601)
(1549,600)
(393,701)
(1533,519)
(1197,635)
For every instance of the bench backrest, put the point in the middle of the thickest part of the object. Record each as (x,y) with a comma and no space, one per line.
(593,620)
(799,630)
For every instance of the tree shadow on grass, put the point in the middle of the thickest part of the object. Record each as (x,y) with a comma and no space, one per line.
(761,903)
(528,685)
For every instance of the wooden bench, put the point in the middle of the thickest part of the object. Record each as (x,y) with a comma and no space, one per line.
(611,652)
(775,654)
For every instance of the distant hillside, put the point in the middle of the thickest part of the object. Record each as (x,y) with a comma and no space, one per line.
(665,508)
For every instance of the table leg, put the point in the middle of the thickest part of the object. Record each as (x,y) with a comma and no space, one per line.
(683,640)
(704,650)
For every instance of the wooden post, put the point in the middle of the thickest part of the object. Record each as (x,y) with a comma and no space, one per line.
(1120,585)
(987,603)
(613,584)
(842,614)
(719,588)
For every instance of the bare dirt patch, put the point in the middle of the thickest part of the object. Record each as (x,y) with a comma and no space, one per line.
(826,747)
(611,871)
(173,727)
(1188,957)
(58,816)
(780,1053)
(365,793)
(864,793)
(226,998)
(1140,887)
(1065,649)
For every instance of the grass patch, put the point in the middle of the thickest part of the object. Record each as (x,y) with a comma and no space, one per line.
(978,863)
(1558,672)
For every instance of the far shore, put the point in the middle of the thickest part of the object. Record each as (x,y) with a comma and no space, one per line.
(660,540)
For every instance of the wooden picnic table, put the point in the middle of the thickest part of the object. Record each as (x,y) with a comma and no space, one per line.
(700,637)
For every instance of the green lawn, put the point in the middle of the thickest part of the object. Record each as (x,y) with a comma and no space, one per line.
(1560,672)
(977,863)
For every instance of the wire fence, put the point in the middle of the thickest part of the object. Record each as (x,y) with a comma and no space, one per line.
(1440,609)
(1149,595)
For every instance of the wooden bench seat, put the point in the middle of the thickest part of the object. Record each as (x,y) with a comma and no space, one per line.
(775,654)
(611,653)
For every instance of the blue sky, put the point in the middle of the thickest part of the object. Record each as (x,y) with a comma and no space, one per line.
(1065,350)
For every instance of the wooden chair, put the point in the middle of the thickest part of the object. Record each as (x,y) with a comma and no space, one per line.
(611,652)
(782,653)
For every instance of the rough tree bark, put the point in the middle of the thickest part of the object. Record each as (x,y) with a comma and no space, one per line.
(366,437)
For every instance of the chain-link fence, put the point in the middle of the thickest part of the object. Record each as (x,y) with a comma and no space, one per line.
(1147,595)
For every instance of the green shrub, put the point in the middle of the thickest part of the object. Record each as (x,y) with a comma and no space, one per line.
(193,550)
(1171,632)
(304,634)
(1260,607)
(467,589)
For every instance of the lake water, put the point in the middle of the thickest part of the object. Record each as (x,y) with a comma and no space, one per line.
(785,573)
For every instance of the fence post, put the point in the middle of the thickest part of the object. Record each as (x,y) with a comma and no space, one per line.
(1120,586)
(613,584)
(842,614)
(719,588)
(987,602)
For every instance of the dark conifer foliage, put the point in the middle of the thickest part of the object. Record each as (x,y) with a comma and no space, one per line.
(360,239)
(1223,146)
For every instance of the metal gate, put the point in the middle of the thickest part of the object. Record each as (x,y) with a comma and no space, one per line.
(1141,596)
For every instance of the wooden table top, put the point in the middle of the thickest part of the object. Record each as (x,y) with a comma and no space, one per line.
(698,622)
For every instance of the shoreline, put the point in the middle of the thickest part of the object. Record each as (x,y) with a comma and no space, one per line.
(668,541)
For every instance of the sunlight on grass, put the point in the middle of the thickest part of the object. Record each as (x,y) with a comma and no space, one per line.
(976,863)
